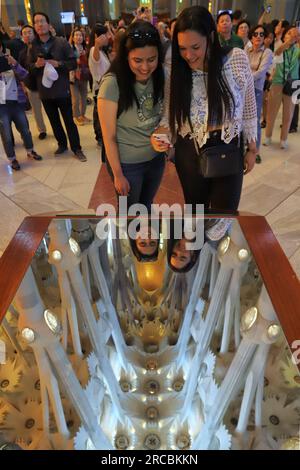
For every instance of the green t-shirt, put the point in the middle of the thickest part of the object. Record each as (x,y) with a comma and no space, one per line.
(291,57)
(134,126)
(234,41)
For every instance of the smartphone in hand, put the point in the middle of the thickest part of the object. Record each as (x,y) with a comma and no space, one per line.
(163,138)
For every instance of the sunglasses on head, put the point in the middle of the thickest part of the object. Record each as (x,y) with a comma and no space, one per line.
(256,34)
(143,35)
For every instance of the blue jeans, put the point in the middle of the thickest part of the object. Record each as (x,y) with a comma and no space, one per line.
(10,112)
(259,96)
(144,179)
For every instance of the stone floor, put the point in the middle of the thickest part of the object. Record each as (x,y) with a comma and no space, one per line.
(64,185)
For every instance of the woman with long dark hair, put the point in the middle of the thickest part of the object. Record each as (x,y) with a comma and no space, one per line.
(130,105)
(209,110)
(79,78)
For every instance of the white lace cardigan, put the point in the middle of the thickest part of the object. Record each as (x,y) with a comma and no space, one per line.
(238,74)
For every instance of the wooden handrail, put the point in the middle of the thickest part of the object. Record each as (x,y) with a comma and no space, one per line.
(18,256)
(280,280)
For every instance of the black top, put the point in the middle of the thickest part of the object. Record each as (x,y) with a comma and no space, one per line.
(56,48)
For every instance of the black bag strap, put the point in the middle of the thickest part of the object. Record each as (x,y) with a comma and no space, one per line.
(285,55)
(260,59)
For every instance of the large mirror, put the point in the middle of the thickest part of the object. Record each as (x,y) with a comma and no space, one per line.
(160,341)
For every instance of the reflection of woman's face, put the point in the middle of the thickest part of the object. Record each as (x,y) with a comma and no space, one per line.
(146,246)
(180,256)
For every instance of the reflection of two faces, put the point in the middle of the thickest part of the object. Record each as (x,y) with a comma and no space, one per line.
(180,256)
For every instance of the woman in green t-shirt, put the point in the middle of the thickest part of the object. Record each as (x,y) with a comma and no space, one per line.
(287,68)
(130,106)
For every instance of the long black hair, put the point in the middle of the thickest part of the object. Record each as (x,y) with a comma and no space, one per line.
(138,35)
(172,242)
(220,98)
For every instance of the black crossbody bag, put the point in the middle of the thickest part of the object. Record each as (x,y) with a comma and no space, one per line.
(219,160)
(288,89)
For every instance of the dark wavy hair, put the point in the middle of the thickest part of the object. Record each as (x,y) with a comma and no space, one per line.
(138,35)
(220,98)
(194,258)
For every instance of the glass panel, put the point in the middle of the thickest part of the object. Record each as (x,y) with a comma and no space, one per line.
(145,344)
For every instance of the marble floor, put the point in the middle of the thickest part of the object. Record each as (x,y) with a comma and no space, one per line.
(64,185)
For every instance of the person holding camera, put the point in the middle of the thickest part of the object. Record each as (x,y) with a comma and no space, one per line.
(55,94)
(12,110)
(281,91)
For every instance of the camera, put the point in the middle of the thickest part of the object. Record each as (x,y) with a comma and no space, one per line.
(4,65)
(143,10)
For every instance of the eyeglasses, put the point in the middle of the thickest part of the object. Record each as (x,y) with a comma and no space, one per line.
(256,34)
(40,21)
(143,35)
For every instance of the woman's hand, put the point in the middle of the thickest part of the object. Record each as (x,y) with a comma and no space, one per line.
(11,60)
(122,185)
(101,41)
(249,161)
(158,145)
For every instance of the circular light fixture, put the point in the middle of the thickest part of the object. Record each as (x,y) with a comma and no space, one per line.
(56,255)
(152,413)
(183,441)
(152,442)
(274,420)
(29,423)
(121,442)
(74,247)
(273,331)
(28,335)
(249,318)
(125,386)
(52,322)
(4,383)
(152,387)
(151,365)
(37,385)
(243,255)
(178,385)
(223,246)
